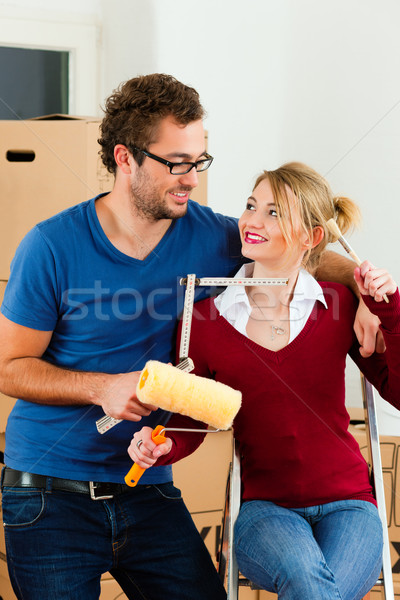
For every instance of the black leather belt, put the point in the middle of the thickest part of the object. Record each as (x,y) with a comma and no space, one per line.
(96,490)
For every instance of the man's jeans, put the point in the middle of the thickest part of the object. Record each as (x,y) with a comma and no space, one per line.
(59,543)
(315,553)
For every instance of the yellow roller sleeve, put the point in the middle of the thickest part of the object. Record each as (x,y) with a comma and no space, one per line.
(197,397)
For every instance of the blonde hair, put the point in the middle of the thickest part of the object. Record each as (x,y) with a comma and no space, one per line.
(316,204)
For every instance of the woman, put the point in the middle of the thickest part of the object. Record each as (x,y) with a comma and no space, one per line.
(308,525)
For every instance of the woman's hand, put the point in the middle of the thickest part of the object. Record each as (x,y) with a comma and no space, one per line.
(366,328)
(143,451)
(374,282)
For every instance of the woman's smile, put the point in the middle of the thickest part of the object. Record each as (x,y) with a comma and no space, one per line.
(254,238)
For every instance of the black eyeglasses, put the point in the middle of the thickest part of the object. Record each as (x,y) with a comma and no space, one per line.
(182,167)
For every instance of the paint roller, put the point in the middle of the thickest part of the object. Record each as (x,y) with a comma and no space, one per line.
(173,390)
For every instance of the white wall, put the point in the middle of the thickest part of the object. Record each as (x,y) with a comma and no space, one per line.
(309,80)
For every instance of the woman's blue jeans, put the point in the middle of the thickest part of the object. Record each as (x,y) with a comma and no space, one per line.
(322,552)
(59,543)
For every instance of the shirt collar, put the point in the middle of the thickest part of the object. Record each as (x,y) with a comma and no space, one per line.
(306,289)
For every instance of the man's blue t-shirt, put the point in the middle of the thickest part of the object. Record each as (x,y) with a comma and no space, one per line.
(109,313)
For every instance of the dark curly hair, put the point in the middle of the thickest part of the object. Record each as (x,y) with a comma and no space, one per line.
(133,113)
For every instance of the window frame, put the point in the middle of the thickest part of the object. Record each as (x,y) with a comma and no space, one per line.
(79,40)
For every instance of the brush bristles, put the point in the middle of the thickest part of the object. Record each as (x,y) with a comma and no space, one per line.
(334,229)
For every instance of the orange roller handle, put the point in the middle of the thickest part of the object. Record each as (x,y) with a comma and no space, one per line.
(135,472)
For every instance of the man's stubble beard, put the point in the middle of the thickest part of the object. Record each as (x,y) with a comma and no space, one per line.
(147,203)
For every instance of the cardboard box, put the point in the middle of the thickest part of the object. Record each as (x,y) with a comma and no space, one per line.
(377,593)
(202,480)
(6,406)
(46,165)
(4,573)
(110,590)
(199,194)
(6,591)
(246,593)
(202,476)
(390,455)
(6,403)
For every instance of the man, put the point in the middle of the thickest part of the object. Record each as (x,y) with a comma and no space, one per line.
(93,294)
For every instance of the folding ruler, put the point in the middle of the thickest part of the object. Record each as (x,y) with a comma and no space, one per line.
(191,281)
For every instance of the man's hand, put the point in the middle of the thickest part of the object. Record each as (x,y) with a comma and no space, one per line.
(376,283)
(366,327)
(119,399)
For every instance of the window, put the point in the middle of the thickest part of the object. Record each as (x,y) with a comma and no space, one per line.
(33,82)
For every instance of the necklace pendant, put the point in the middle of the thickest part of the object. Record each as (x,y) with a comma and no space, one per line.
(277,330)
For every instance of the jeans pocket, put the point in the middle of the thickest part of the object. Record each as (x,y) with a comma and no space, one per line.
(22,507)
(168,491)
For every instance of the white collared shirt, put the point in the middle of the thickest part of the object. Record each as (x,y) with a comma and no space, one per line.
(233,304)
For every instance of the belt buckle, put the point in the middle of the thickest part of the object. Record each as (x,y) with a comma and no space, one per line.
(92,488)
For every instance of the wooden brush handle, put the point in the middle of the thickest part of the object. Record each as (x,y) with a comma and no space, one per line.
(335,231)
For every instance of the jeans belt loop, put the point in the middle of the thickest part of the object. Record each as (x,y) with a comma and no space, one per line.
(92,489)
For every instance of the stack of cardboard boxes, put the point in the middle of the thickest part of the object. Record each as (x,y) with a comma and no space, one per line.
(390,456)
(46,165)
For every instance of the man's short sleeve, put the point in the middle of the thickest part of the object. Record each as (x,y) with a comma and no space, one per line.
(30,298)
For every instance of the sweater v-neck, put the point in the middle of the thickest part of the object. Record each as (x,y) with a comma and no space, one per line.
(277,356)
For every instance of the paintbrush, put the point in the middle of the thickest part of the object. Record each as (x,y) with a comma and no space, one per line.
(335,231)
